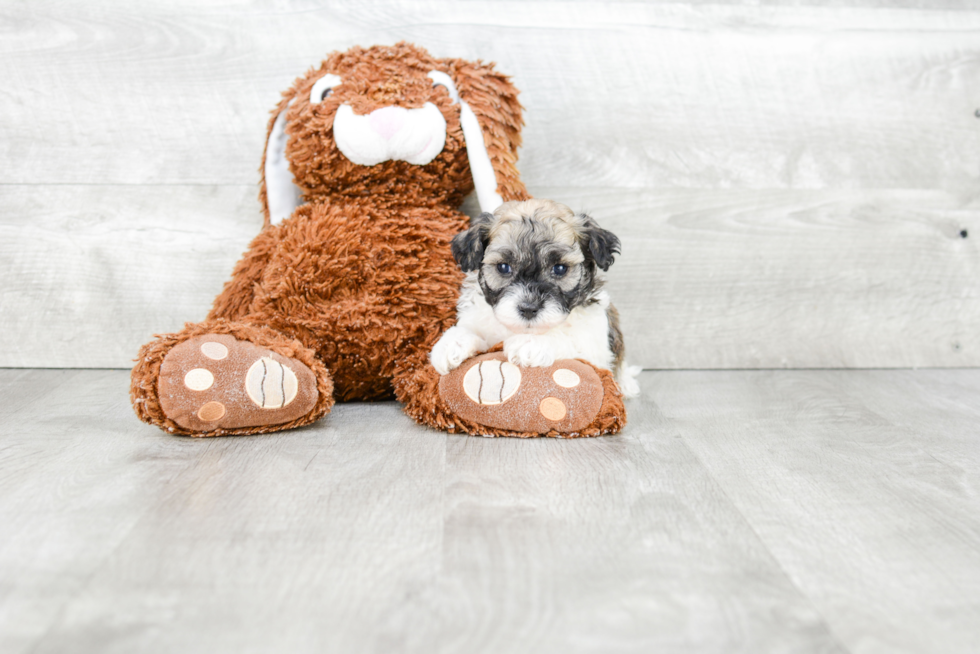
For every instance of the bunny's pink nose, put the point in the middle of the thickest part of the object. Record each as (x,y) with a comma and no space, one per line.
(387,121)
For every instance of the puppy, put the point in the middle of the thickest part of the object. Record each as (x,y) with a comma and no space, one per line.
(534,283)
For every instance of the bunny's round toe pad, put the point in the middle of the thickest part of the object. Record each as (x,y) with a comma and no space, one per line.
(489,390)
(219,382)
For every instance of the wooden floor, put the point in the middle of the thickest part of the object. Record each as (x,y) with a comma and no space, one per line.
(762,511)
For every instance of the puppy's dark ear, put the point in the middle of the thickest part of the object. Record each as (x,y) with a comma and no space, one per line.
(468,246)
(599,244)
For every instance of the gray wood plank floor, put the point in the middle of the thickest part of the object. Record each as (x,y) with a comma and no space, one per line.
(741,511)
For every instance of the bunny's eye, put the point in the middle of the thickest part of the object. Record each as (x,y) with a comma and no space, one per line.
(442,79)
(323,88)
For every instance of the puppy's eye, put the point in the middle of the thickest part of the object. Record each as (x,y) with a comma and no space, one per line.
(559,270)
(326,94)
(503,268)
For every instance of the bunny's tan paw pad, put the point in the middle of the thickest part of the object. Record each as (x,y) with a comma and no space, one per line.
(562,398)
(216,381)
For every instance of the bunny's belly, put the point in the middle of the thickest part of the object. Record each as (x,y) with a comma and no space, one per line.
(370,287)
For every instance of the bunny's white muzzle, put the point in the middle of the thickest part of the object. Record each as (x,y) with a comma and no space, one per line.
(390,133)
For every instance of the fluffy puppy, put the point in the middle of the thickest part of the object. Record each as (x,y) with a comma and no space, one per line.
(534,282)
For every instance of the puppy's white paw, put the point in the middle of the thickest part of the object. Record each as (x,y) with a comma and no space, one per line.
(628,385)
(456,346)
(529,350)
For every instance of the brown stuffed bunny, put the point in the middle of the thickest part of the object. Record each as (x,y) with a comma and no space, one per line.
(351,282)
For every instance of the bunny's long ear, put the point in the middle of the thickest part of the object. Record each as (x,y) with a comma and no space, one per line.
(278,192)
(490,116)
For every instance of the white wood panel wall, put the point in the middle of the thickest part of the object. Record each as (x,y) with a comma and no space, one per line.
(792,183)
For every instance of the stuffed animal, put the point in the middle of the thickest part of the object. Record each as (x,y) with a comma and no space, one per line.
(351,281)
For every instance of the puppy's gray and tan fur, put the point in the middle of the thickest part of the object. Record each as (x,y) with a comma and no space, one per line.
(534,282)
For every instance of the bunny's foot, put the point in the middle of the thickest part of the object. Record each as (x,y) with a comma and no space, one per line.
(489,396)
(208,384)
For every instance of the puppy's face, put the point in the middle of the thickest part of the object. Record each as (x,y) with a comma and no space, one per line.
(536,261)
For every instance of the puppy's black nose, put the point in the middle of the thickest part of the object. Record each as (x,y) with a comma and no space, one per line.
(527,311)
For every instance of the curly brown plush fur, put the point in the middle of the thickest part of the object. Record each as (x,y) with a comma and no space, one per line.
(359,283)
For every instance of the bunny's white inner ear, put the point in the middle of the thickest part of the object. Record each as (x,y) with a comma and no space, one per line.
(484,178)
(281,193)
